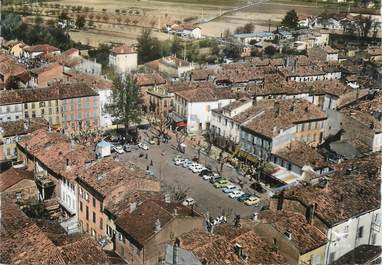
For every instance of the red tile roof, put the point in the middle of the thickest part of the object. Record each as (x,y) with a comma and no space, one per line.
(353,190)
(13,176)
(123,49)
(21,127)
(45,48)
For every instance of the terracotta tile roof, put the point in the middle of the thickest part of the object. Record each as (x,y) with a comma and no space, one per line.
(200,74)
(71,52)
(153,64)
(45,48)
(366,111)
(353,190)
(9,67)
(301,154)
(123,49)
(203,92)
(83,251)
(21,127)
(149,79)
(45,68)
(350,97)
(140,223)
(276,87)
(25,242)
(219,247)
(265,118)
(106,175)
(236,104)
(56,91)
(301,71)
(55,150)
(239,73)
(13,176)
(92,80)
(305,237)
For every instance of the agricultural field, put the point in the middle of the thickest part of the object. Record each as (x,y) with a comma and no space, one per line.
(213,16)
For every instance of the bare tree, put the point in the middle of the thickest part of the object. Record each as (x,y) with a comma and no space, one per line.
(159,125)
(180,137)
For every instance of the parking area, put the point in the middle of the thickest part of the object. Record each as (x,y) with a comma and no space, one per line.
(159,160)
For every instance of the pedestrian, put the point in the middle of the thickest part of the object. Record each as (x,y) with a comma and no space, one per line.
(147,156)
(151,163)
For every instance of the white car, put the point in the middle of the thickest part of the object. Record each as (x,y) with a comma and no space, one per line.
(197,169)
(236,194)
(179,162)
(118,149)
(188,202)
(143,146)
(230,188)
(186,163)
(206,177)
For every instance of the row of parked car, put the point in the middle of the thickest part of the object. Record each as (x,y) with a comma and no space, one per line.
(218,181)
(120,149)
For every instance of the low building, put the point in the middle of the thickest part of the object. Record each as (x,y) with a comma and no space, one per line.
(346,207)
(11,106)
(171,66)
(100,183)
(196,105)
(123,59)
(143,232)
(229,244)
(299,241)
(246,38)
(12,74)
(274,124)
(18,185)
(46,75)
(26,241)
(13,131)
(103,149)
(38,50)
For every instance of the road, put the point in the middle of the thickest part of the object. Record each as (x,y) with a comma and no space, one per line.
(207,197)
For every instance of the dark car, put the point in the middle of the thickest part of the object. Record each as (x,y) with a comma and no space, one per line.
(205,172)
(243,197)
(215,179)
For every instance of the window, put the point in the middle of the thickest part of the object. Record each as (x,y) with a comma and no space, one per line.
(346,229)
(87,213)
(374,238)
(360,232)
(81,206)
(94,217)
(26,106)
(94,202)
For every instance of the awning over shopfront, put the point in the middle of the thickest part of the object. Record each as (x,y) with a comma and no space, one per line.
(246,156)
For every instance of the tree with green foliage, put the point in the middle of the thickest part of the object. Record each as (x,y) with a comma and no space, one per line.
(232,51)
(126,105)
(176,46)
(149,48)
(270,50)
(290,20)
(101,54)
(80,21)
(38,20)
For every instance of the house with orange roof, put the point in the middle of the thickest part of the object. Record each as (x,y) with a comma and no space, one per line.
(123,58)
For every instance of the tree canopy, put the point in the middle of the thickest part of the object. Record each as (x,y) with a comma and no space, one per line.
(149,48)
(290,20)
(125,106)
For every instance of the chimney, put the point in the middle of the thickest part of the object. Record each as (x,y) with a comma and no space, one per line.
(238,249)
(276,108)
(167,198)
(133,206)
(26,125)
(157,227)
(309,213)
(255,216)
(274,130)
(175,251)
(280,201)
(175,211)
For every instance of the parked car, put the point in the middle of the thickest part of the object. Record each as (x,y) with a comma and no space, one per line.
(179,162)
(186,163)
(230,188)
(188,202)
(118,149)
(235,194)
(207,177)
(252,201)
(222,184)
(244,197)
(177,157)
(197,168)
(215,179)
(143,146)
(150,173)
(152,142)
(205,171)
